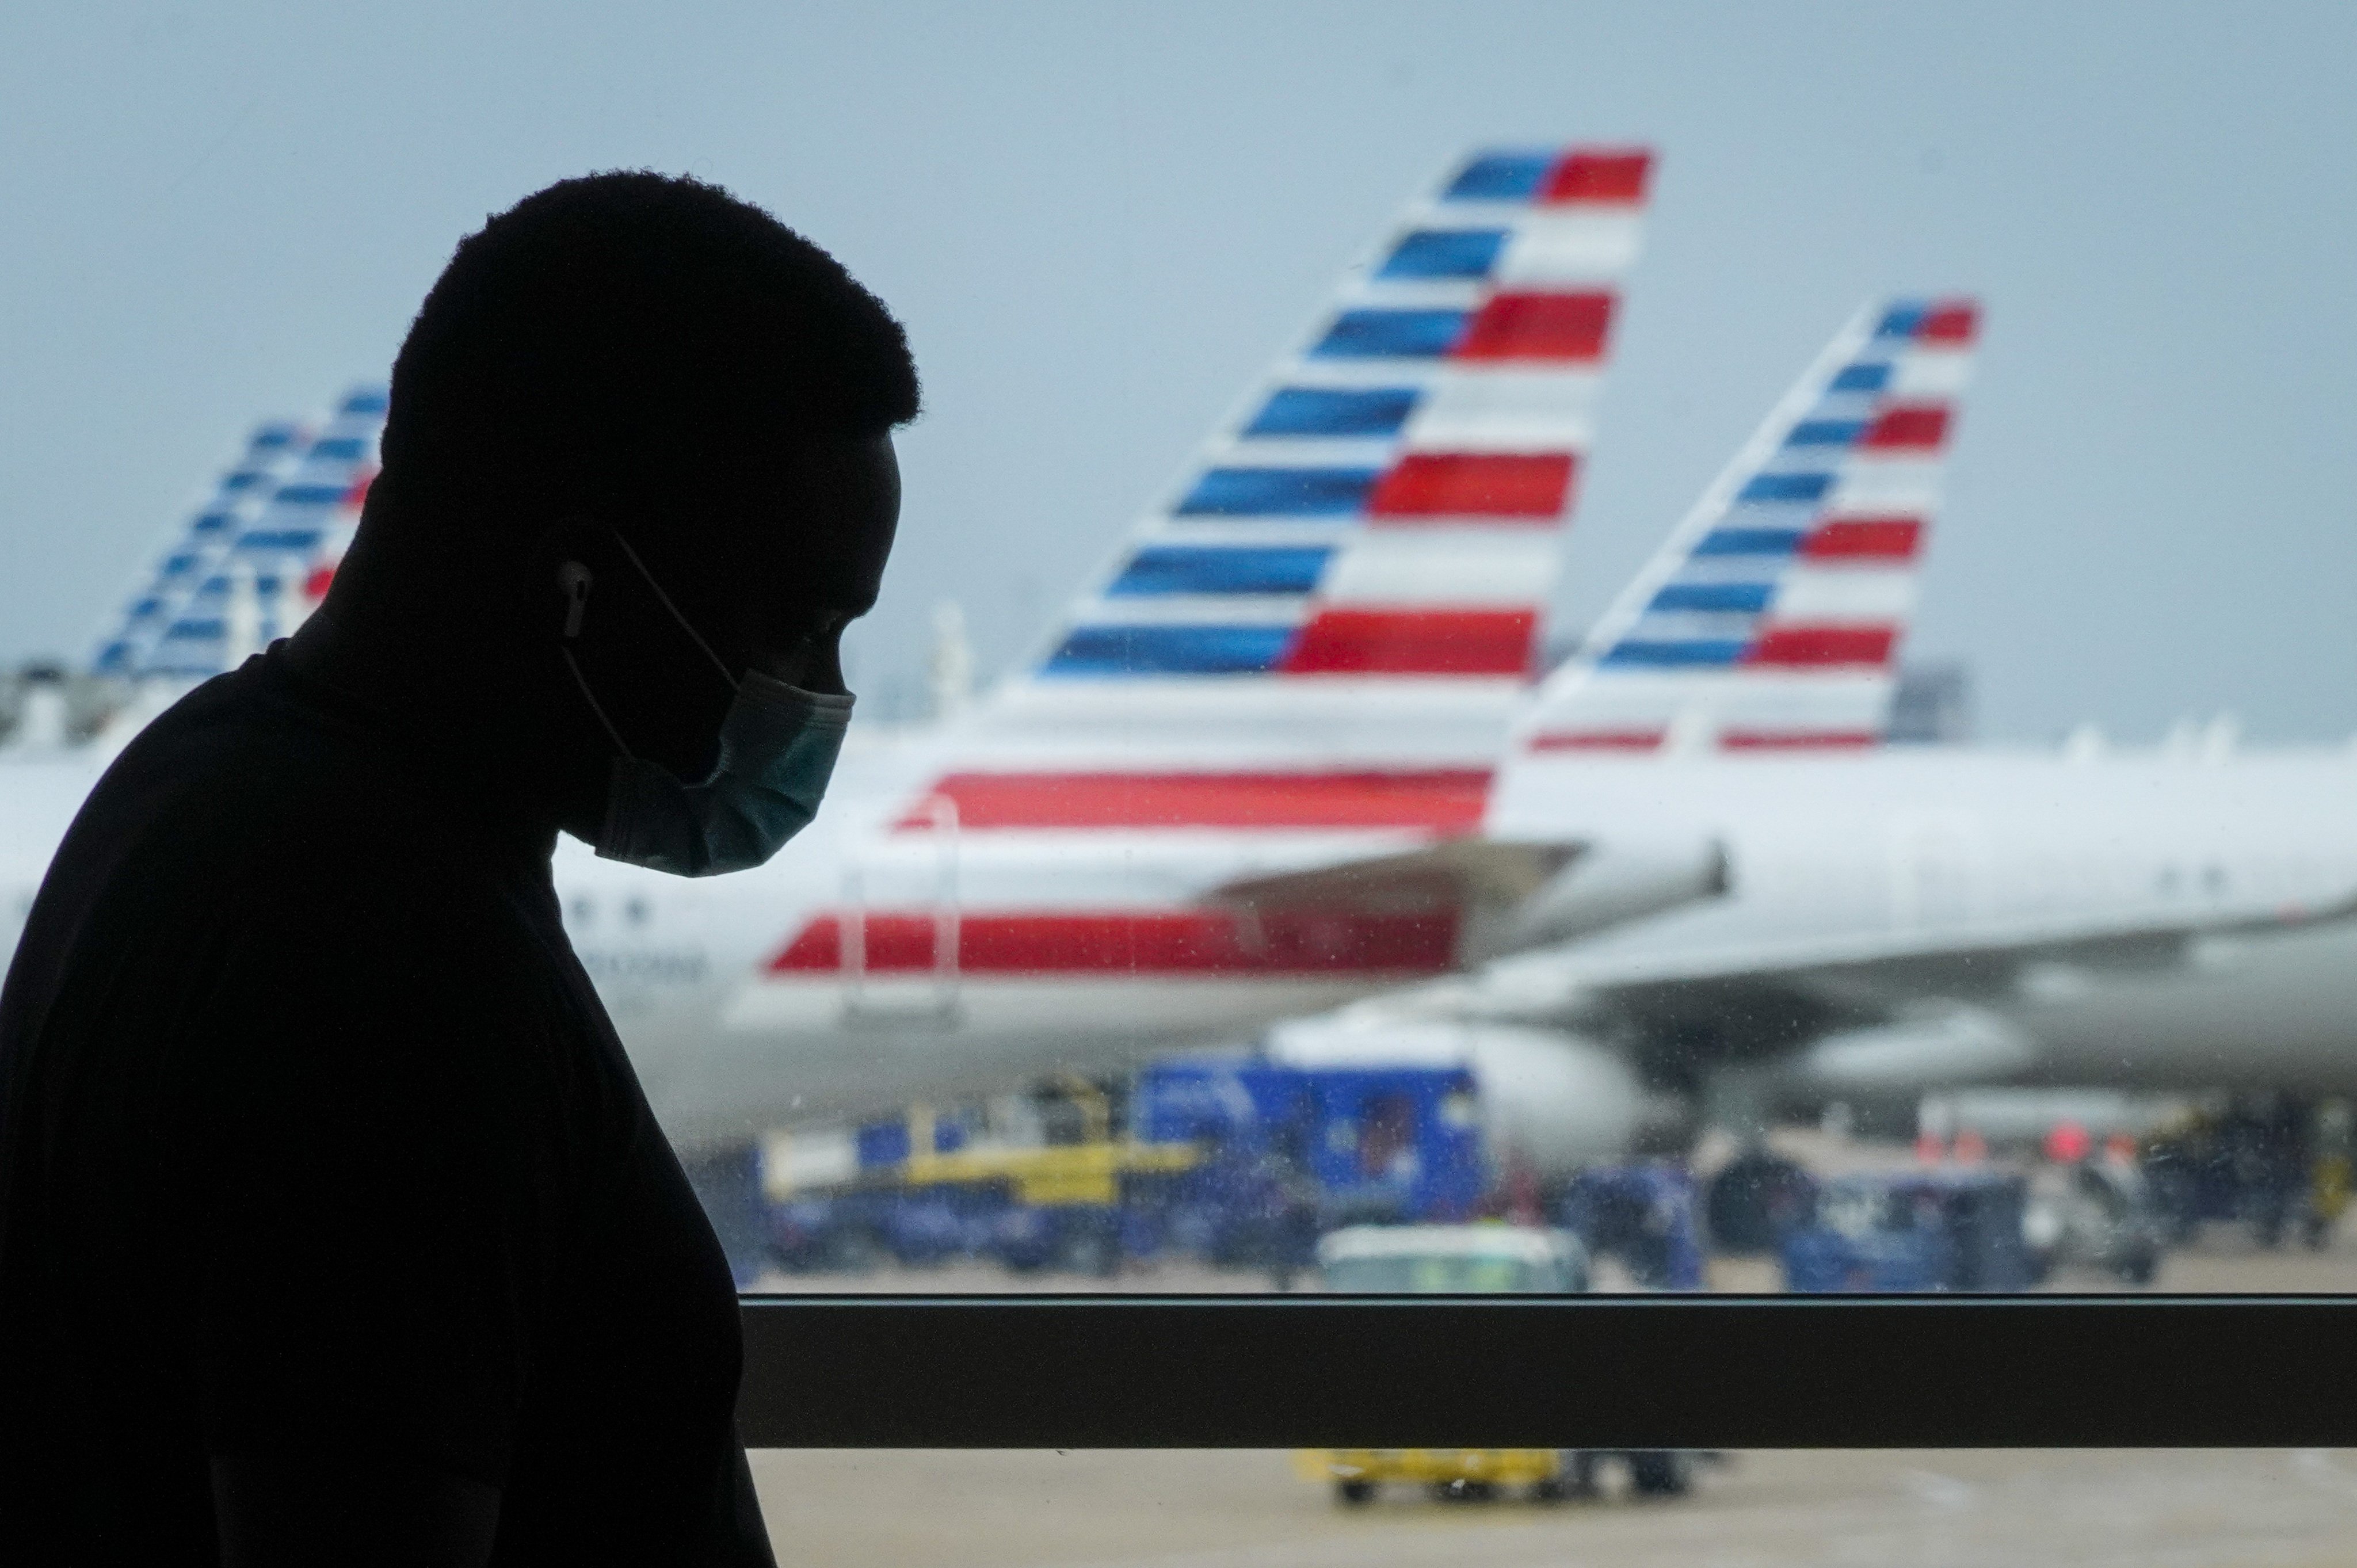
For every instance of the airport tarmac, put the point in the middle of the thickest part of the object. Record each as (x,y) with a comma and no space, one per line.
(1244,1509)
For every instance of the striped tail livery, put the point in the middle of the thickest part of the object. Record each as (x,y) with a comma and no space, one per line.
(1771,619)
(1329,621)
(256,557)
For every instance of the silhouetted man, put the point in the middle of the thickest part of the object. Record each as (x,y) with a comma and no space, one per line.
(334,1227)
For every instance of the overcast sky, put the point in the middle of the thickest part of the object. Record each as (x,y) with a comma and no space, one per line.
(1100,221)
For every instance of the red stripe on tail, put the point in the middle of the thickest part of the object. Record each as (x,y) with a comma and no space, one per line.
(1954,322)
(1796,740)
(1486,484)
(1412,642)
(1908,427)
(1554,327)
(1612,177)
(1864,539)
(1597,740)
(1822,647)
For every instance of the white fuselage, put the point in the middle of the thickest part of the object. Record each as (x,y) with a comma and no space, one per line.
(1956,852)
(746,1004)
(1950,850)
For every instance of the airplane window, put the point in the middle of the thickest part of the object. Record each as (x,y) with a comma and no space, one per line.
(1610,630)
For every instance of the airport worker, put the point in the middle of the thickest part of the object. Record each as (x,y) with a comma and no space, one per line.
(334,1226)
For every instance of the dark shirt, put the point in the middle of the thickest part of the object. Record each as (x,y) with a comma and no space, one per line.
(314,1139)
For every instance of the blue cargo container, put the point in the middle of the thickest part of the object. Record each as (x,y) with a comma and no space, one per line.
(1376,1144)
(1951,1230)
(1642,1214)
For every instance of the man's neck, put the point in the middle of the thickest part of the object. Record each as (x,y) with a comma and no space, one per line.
(466,709)
(422,679)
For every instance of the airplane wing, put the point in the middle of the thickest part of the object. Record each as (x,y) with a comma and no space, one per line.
(1518,895)
(1452,873)
(1847,978)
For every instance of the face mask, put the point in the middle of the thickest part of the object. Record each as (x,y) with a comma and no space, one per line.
(778,746)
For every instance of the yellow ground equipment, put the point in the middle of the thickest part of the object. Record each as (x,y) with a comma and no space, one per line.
(1044,1175)
(1466,1473)
(1390,1260)
(1057,1174)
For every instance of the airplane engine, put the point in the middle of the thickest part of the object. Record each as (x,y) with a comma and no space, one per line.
(1931,1048)
(1553,1101)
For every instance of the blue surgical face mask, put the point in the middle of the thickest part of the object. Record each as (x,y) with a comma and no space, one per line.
(778,746)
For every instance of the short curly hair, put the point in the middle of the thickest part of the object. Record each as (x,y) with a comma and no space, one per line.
(623,338)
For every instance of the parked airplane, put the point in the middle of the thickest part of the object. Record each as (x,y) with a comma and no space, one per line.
(1894,919)
(1251,777)
(1310,653)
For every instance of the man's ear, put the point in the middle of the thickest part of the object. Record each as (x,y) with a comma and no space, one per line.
(560,559)
(574,581)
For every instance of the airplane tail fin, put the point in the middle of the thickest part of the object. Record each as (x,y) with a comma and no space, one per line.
(1771,619)
(1351,576)
(256,559)
(192,554)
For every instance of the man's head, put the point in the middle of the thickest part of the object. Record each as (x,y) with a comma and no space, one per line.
(621,342)
(637,419)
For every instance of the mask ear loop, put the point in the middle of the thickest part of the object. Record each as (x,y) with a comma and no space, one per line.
(572,580)
(685,624)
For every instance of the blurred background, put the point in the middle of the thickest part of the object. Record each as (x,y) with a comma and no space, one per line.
(1099,222)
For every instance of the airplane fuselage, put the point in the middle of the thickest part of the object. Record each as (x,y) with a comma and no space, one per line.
(885,955)
(2044,888)
(991,961)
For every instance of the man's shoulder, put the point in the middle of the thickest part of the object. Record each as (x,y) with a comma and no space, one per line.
(287,825)
(276,875)
(214,767)
(236,746)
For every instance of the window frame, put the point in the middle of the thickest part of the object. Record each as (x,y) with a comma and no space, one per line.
(1677,1372)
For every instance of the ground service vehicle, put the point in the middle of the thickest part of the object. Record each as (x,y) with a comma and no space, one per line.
(1465,1259)
(1237,1163)
(2096,1213)
(2272,1161)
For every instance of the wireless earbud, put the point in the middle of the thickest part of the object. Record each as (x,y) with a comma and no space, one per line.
(572,580)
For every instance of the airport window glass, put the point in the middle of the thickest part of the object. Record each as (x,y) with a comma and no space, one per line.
(1897,843)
